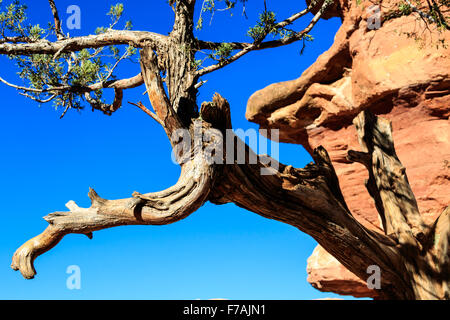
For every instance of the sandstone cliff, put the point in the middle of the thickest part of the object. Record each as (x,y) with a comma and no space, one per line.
(400,71)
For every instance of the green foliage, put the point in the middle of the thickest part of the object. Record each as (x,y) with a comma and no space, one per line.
(13,22)
(223,52)
(72,71)
(116,11)
(442,21)
(196,64)
(404,8)
(13,16)
(266,25)
(431,12)
(128,25)
(36,32)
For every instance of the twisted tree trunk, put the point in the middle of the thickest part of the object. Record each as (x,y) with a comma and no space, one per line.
(412,266)
(413,257)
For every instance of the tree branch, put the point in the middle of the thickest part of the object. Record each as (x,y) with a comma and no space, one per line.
(58,29)
(123,84)
(420,12)
(148,112)
(309,199)
(156,92)
(165,207)
(388,183)
(17,39)
(112,37)
(117,85)
(107,109)
(260,45)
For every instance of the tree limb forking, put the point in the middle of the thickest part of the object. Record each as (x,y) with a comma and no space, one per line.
(259,44)
(308,199)
(156,92)
(413,257)
(117,85)
(388,182)
(264,45)
(26,46)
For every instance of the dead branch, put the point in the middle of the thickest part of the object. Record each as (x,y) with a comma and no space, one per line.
(58,28)
(148,112)
(112,37)
(160,208)
(388,183)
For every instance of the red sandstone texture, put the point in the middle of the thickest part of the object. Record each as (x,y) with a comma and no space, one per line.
(400,71)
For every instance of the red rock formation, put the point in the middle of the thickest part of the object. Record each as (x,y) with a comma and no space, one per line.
(400,71)
(325,273)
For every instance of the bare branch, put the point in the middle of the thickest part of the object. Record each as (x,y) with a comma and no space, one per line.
(259,45)
(123,84)
(37,99)
(310,199)
(107,109)
(388,183)
(129,83)
(200,84)
(17,39)
(420,12)
(112,37)
(160,208)
(58,28)
(25,88)
(156,92)
(209,45)
(150,113)
(298,15)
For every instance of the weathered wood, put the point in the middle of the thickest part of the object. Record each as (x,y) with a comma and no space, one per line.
(156,93)
(388,181)
(138,39)
(161,208)
(440,253)
(413,258)
(426,270)
(309,199)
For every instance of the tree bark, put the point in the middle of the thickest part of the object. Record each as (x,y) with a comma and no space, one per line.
(309,199)
(413,257)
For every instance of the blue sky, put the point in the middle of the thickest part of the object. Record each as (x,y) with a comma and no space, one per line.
(217,252)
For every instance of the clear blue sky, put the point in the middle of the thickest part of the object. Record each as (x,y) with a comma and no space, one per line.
(217,252)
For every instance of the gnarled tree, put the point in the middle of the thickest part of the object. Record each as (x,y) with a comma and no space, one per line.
(413,257)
